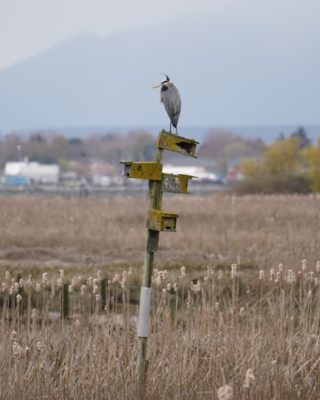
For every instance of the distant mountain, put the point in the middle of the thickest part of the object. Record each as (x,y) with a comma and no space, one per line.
(231,70)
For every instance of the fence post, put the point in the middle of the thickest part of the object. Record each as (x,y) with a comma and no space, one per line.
(157,221)
(65,301)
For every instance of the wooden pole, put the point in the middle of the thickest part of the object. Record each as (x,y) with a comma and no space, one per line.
(155,195)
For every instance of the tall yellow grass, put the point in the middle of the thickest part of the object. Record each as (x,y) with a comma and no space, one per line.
(235,305)
(219,336)
(260,230)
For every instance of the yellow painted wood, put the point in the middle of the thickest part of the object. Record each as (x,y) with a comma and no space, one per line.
(159,220)
(175,183)
(178,144)
(143,170)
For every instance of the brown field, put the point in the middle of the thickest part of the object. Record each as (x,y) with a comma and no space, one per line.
(255,231)
(252,329)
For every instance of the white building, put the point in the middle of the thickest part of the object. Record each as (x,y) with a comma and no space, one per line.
(200,172)
(39,173)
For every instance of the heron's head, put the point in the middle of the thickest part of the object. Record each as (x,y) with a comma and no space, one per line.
(162,83)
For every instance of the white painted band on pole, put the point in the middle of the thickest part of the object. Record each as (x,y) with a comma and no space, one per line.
(144,312)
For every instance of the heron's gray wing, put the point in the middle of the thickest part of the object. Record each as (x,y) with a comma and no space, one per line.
(172,103)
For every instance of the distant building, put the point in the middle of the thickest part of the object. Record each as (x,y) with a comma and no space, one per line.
(234,174)
(201,173)
(35,172)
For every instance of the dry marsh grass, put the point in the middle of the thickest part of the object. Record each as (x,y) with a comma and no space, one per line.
(232,325)
(260,231)
(214,338)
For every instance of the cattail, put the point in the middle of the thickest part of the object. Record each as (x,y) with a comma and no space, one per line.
(74,281)
(7,275)
(39,346)
(249,379)
(19,298)
(291,276)
(272,273)
(261,274)
(175,287)
(61,273)
(29,281)
(13,335)
(182,272)
(21,283)
(309,294)
(196,287)
(225,393)
(99,276)
(16,287)
(242,312)
(169,287)
(70,288)
(95,289)
(233,271)
(90,281)
(45,278)
(280,267)
(98,298)
(304,265)
(83,290)
(59,282)
(116,278)
(34,313)
(318,266)
(220,275)
(124,279)
(16,349)
(310,276)
(38,287)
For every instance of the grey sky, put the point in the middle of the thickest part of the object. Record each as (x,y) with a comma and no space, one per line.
(28,26)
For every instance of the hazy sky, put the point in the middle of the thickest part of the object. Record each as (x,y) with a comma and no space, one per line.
(28,26)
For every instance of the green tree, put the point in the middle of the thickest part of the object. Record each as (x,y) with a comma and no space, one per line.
(252,168)
(312,157)
(282,157)
(302,137)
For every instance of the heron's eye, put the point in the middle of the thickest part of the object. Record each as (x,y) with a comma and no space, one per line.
(164,88)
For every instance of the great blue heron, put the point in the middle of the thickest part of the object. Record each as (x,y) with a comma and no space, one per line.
(170,98)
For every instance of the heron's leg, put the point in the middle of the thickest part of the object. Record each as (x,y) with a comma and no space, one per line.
(176,130)
(170,126)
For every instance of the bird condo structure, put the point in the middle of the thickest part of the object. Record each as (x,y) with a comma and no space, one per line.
(158,221)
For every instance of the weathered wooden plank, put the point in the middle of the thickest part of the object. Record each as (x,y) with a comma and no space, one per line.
(175,183)
(143,170)
(178,144)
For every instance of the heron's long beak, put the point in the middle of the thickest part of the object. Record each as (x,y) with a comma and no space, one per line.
(156,87)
